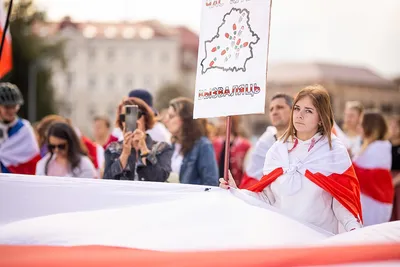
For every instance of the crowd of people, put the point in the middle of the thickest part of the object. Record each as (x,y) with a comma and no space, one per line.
(304,163)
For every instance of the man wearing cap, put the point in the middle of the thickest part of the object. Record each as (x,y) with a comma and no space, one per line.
(159,132)
(19,151)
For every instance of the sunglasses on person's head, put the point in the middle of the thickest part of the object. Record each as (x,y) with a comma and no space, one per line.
(59,146)
(140,114)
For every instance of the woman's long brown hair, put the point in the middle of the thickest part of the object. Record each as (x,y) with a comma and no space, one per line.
(374,126)
(44,126)
(321,100)
(192,130)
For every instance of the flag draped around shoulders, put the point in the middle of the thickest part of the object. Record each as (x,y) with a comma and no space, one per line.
(372,167)
(330,169)
(20,152)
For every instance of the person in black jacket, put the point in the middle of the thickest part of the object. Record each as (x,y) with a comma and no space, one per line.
(137,157)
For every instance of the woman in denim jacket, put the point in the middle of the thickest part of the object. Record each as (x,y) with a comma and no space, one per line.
(193,157)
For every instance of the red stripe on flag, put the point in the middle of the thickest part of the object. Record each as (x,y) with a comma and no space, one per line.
(343,187)
(376,183)
(247,181)
(99,256)
(266,180)
(28,167)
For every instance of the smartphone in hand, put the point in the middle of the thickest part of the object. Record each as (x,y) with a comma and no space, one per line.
(131,114)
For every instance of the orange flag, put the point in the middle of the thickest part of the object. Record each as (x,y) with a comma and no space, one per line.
(6,54)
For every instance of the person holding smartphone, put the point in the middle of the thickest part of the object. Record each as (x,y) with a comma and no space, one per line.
(137,157)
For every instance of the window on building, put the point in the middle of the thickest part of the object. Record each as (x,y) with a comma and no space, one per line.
(165,57)
(92,54)
(92,82)
(147,81)
(91,111)
(128,53)
(110,54)
(110,82)
(387,108)
(129,81)
(369,106)
(147,56)
(111,111)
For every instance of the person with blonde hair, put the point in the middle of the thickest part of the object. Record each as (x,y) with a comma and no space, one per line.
(308,174)
(351,136)
(372,165)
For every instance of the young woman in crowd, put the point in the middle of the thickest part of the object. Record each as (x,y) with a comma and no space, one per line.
(94,151)
(65,157)
(137,156)
(308,173)
(193,157)
(372,165)
(351,126)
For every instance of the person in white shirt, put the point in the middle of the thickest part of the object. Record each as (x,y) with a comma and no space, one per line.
(279,115)
(372,165)
(351,136)
(308,174)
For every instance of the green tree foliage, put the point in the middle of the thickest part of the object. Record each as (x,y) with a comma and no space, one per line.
(28,49)
(169,92)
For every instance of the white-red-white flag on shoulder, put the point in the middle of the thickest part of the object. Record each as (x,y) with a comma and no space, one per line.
(372,167)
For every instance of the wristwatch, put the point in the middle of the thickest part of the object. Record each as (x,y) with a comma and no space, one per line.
(144,155)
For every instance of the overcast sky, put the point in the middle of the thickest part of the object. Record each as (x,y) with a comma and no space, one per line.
(356,32)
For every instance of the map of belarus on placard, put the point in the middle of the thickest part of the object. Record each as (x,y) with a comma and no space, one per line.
(231,47)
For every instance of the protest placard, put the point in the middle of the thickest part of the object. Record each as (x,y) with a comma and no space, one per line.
(232,58)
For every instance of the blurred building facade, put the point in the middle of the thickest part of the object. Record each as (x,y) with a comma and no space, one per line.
(107,60)
(344,83)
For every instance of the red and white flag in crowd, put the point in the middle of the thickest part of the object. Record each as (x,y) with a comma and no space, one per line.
(372,167)
(89,222)
(21,152)
(6,53)
(323,166)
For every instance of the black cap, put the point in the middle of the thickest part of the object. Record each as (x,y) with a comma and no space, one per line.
(145,96)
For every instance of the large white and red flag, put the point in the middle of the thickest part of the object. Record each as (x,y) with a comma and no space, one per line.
(372,167)
(89,222)
(6,54)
